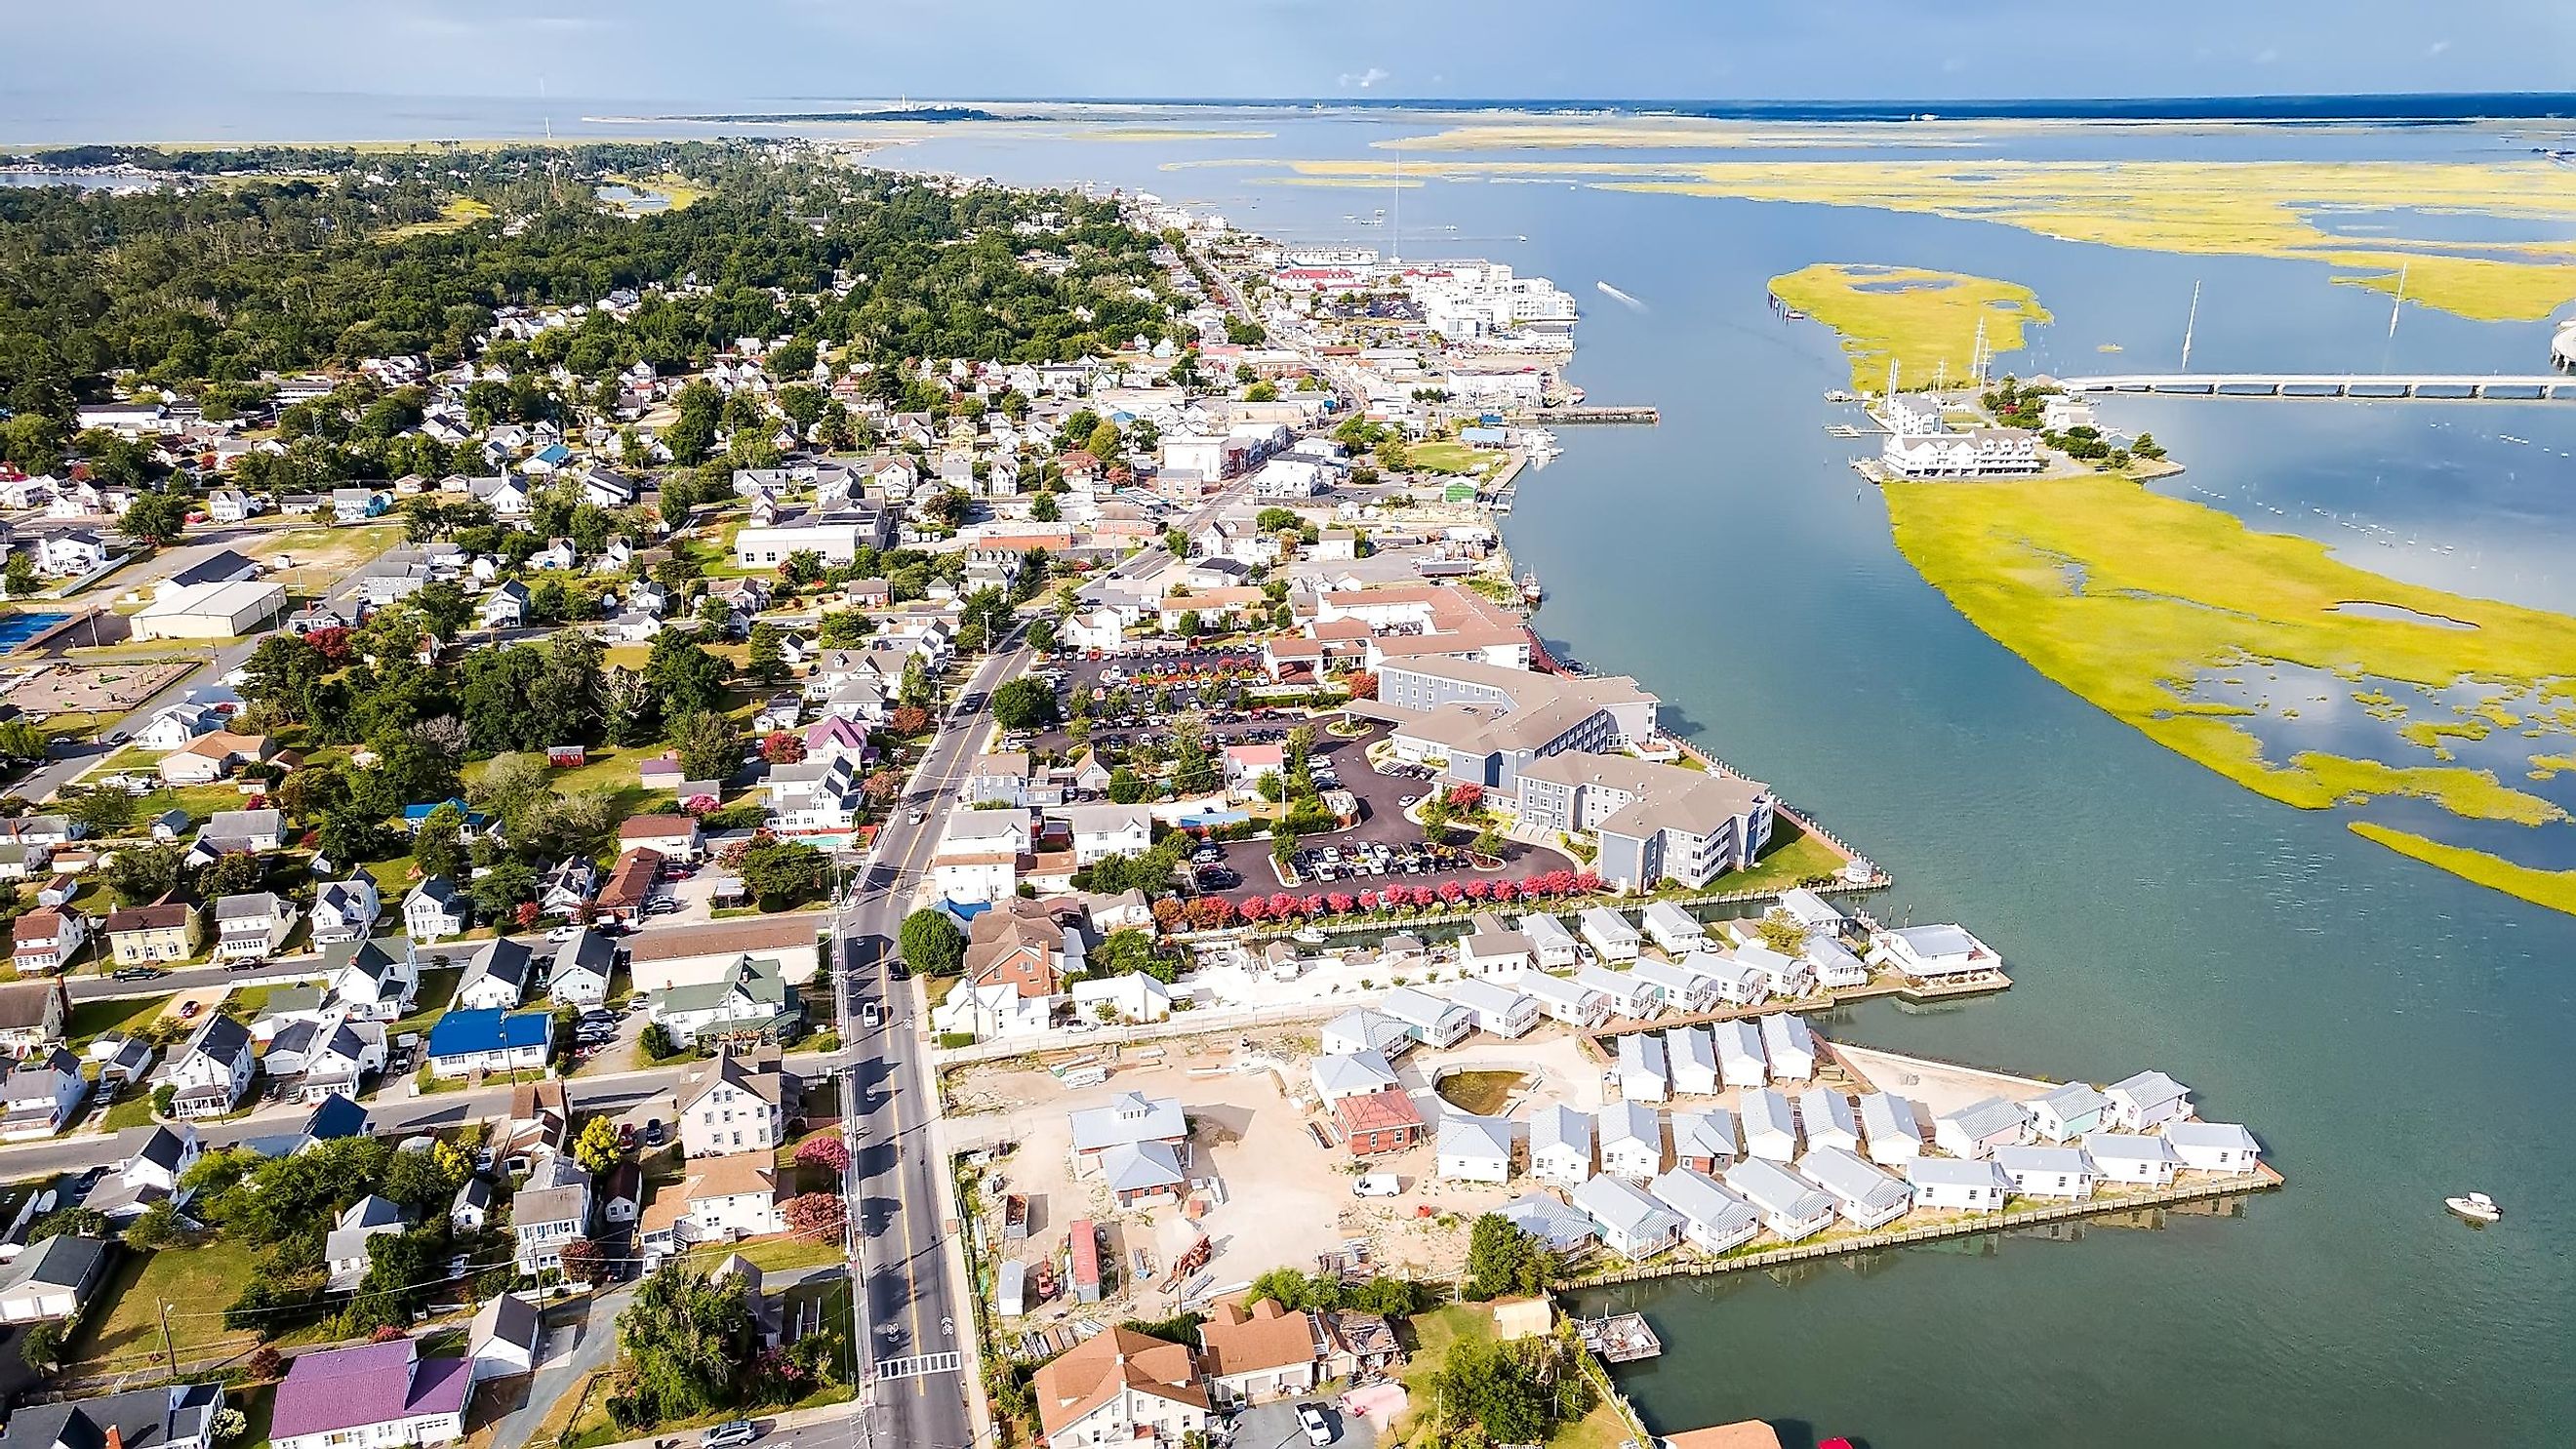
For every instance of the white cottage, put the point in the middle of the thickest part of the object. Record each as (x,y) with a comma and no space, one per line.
(1642,1073)
(1690,1053)
(1610,935)
(1770,1127)
(2215,1146)
(1827,1119)
(1949,1182)
(1561,1145)
(1887,1124)
(2048,1171)
(1739,1053)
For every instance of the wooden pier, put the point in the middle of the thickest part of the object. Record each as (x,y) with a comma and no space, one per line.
(1620,1338)
(1546,416)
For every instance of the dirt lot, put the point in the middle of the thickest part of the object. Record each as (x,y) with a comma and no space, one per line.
(309,560)
(52,689)
(1939,1086)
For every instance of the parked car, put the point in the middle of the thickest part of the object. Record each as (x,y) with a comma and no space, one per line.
(189,1009)
(138,973)
(869,1015)
(734,1433)
(1309,1418)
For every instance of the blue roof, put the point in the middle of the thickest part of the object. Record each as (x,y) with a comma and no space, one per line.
(967,910)
(460,1032)
(414,814)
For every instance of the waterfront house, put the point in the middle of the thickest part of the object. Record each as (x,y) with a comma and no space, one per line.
(1790,1047)
(2149,1099)
(1949,1182)
(1642,1075)
(1571,1002)
(1788,977)
(1705,1141)
(1691,1054)
(1826,1118)
(1836,968)
(1431,1021)
(1362,1029)
(1866,1197)
(1887,1123)
(1496,1008)
(1730,982)
(2122,1157)
(1550,943)
(1980,1127)
(1626,993)
(2048,1171)
(1560,1145)
(1558,1228)
(1372,1123)
(1349,1074)
(1610,935)
(1632,1140)
(1676,930)
(1770,1126)
(1488,950)
(1682,989)
(2066,1112)
(1740,1060)
(2215,1146)
(1475,1149)
(1791,1207)
(1631,1224)
(1932,953)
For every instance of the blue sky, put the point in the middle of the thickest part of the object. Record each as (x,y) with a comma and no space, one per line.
(1626,49)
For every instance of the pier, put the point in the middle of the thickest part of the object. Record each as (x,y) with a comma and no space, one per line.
(2410,386)
(1539,416)
(1623,1338)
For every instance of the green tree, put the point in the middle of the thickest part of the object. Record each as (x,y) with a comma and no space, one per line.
(684,676)
(233,873)
(438,846)
(766,659)
(596,1147)
(691,1345)
(1262,392)
(932,944)
(783,874)
(154,518)
(505,885)
(1505,1262)
(1025,704)
(18,576)
(709,746)
(139,874)
(1044,509)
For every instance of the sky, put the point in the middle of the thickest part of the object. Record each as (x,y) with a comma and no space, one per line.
(1464,49)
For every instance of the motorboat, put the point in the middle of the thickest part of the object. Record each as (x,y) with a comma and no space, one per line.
(2477,1207)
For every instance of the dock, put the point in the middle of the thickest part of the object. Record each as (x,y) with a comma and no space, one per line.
(1623,1338)
(1528,416)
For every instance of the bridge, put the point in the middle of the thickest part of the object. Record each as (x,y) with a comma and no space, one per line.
(2423,386)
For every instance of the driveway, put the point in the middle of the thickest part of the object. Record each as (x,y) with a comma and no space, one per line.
(1274,1425)
(577,1344)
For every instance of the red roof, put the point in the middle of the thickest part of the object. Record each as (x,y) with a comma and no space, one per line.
(1086,1253)
(1380,1111)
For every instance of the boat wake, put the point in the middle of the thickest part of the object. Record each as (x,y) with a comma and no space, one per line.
(1622,298)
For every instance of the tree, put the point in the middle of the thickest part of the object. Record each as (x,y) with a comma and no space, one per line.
(438,846)
(782,747)
(1125,786)
(766,660)
(1487,844)
(1782,934)
(932,943)
(596,1147)
(105,811)
(1503,1261)
(43,1344)
(907,720)
(154,518)
(685,676)
(843,628)
(1044,509)
(140,874)
(818,1215)
(18,577)
(824,1152)
(159,1227)
(235,872)
(1025,704)
(689,1341)
(1264,391)
(783,874)
(583,1262)
(708,746)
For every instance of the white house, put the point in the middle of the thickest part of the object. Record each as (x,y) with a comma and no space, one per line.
(1475,1149)
(1730,982)
(1632,1140)
(1790,1047)
(1432,1021)
(1866,1197)
(1496,1008)
(1770,1126)
(1642,1073)
(1629,994)
(2123,1157)
(1609,933)
(345,910)
(2048,1171)
(435,910)
(1632,1224)
(1740,1058)
(1950,1182)
(378,1395)
(1784,976)
(1676,930)
(1571,1002)
(1791,1207)
(1682,989)
(1336,1075)
(1490,951)
(1551,942)
(1713,1219)
(1690,1053)
(2149,1099)
(1836,968)
(2215,1146)
(1705,1140)
(213,1070)
(1101,831)
(1887,1124)
(1929,953)
(1362,1029)
(1560,1145)
(1977,1129)
(1826,1119)
(2066,1111)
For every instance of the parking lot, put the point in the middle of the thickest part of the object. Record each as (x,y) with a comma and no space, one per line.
(1273,1425)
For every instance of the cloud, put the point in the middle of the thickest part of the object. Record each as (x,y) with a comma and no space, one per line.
(2437,47)
(1364,79)
(2266,56)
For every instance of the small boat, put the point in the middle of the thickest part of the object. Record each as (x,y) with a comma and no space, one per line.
(2477,1207)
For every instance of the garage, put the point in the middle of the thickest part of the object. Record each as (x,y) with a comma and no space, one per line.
(210,610)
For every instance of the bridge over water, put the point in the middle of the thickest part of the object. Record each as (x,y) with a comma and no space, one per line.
(2421,386)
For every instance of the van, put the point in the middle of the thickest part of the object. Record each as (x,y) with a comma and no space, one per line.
(1377,1184)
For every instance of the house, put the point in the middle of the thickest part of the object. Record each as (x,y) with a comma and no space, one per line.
(503,606)
(1632,1140)
(1489,950)
(1119,1387)
(1864,1196)
(1741,1060)
(2122,1157)
(496,976)
(1705,1141)
(1144,1173)
(178,1416)
(715,952)
(1955,1183)
(1101,831)
(346,910)
(462,1043)
(1677,987)
(1431,1021)
(736,1103)
(1254,1353)
(1691,1053)
(329,1057)
(1887,1124)
(1626,993)
(436,910)
(1571,1002)
(1977,1129)
(676,836)
(252,927)
(48,938)
(1713,1219)
(1835,967)
(212,757)
(1652,822)
(172,728)
(566,889)
(1349,1074)
(732,1196)
(550,1209)
(1475,1149)
(1789,1046)
(1609,933)
(581,971)
(1826,1119)
(2067,1111)
(1770,1127)
(163,931)
(213,1070)
(32,1015)
(226,831)
(43,1091)
(1128,1120)
(2048,1171)
(2149,1099)
(52,1280)
(750,1006)
(1931,953)
(1364,1030)
(1559,1228)
(1560,1145)
(371,981)
(375,1395)
(630,885)
(1676,930)
(345,1250)
(1494,1008)
(1374,1123)
(1631,1223)
(1791,1207)
(2215,1147)
(1785,976)
(1642,1073)
(472,1207)
(1133,997)
(502,1341)
(1023,945)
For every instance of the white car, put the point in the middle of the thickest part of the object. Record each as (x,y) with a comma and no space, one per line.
(918,817)
(563,933)
(1311,1419)
(1377,1184)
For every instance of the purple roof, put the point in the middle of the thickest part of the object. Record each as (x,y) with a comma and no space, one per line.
(376,1383)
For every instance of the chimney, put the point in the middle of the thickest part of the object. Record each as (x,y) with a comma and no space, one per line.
(115,1437)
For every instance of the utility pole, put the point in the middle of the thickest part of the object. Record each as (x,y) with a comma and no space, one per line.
(168,1351)
(2190,322)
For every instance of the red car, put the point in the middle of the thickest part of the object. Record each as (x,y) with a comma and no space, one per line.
(188,1009)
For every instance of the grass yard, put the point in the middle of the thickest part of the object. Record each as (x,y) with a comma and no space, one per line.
(776,1253)
(437,988)
(1447,455)
(1794,856)
(1436,1332)
(1480,1094)
(1919,319)
(91,1020)
(458,214)
(308,560)
(196,1282)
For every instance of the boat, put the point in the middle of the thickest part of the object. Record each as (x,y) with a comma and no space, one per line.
(1530,588)
(2477,1207)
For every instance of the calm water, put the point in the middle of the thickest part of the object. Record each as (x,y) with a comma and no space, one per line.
(2392,1035)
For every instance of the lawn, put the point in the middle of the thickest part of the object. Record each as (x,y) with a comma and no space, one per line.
(196,1283)
(1919,319)
(776,1253)
(1479,1094)
(1437,1331)
(91,1020)
(437,988)
(1449,456)
(1794,856)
